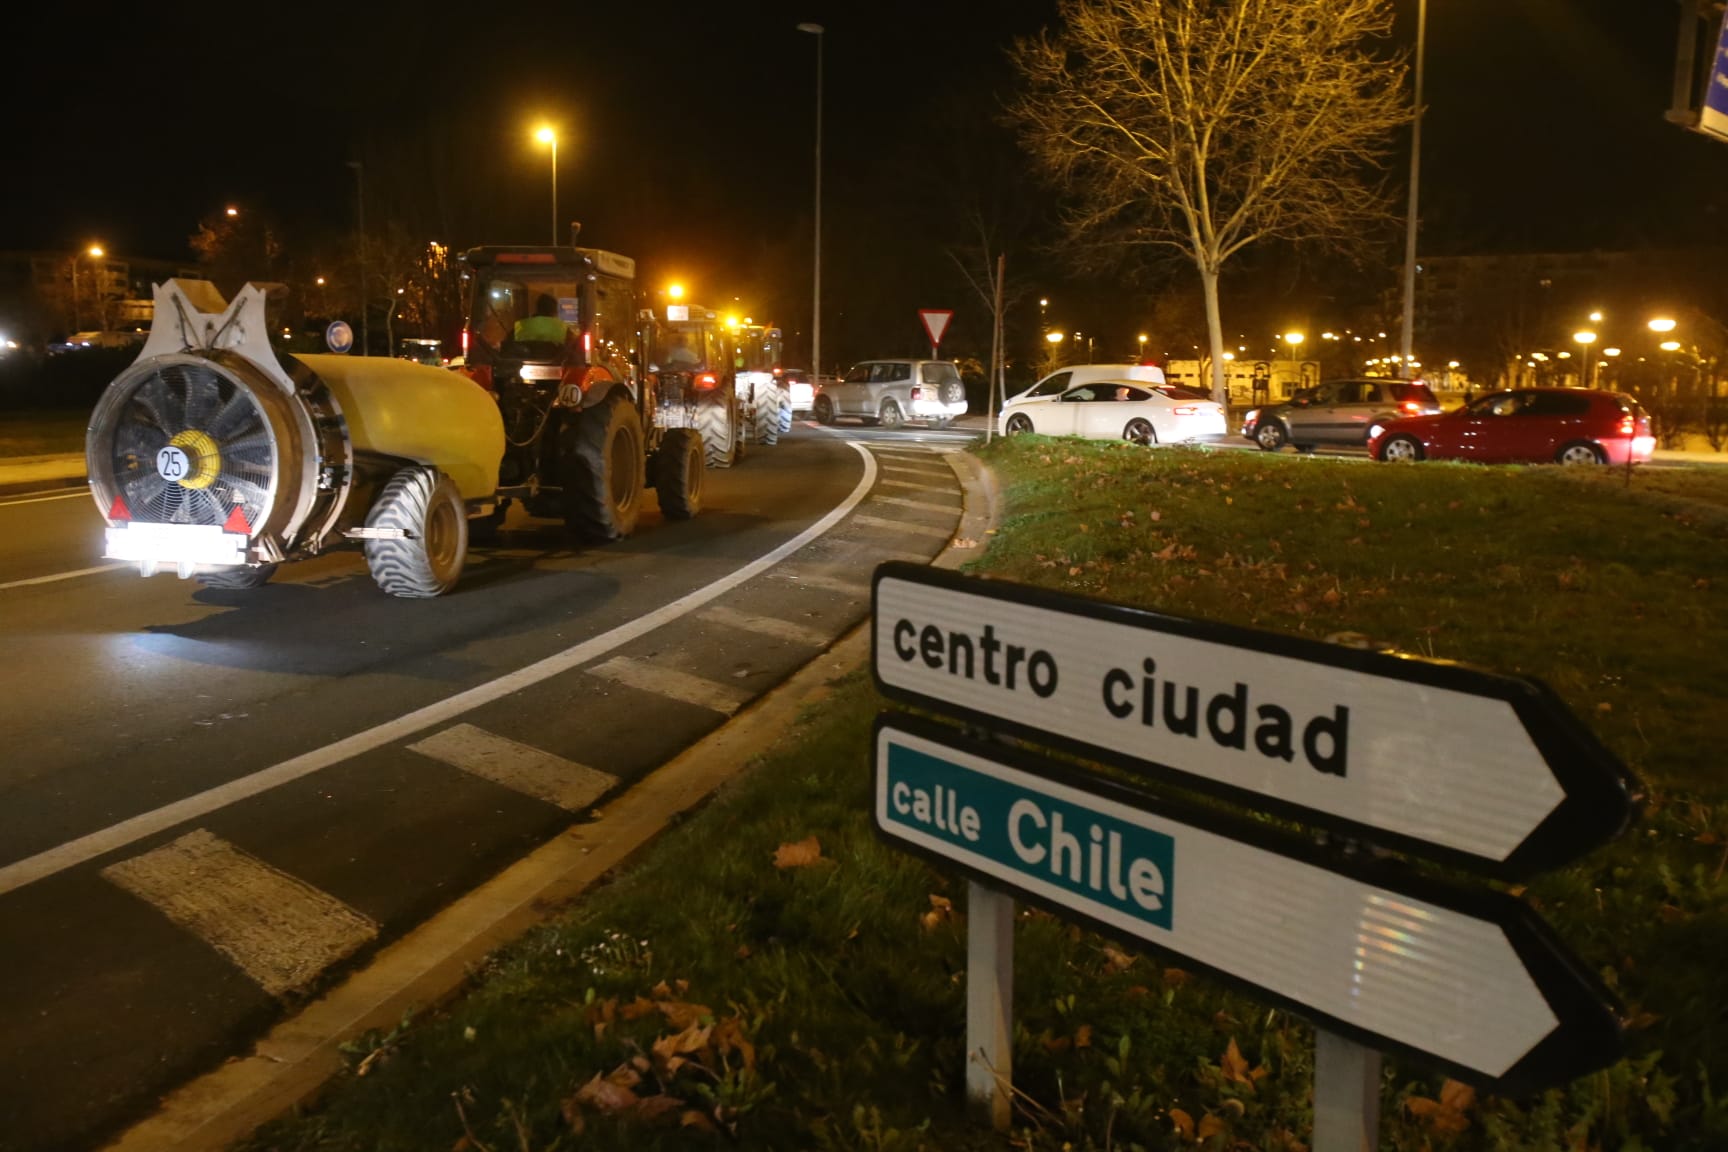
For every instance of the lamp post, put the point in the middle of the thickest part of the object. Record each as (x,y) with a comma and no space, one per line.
(1142,347)
(1408,333)
(546,135)
(1585,339)
(817,30)
(360,213)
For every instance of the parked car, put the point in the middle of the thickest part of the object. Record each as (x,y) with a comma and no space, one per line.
(81,340)
(889,392)
(1336,412)
(1535,425)
(1118,410)
(799,386)
(1052,386)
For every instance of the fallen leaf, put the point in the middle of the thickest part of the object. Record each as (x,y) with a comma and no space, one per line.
(1083,1036)
(1447,1114)
(800,855)
(1234,1065)
(941,911)
(637,1008)
(1116,960)
(1184,1123)
(694,1119)
(682,1015)
(652,1108)
(606,1097)
(743,952)
(1210,1126)
(692,1039)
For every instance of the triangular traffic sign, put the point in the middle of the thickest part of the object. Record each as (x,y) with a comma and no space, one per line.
(935,322)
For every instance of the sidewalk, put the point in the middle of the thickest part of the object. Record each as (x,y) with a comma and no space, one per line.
(21,473)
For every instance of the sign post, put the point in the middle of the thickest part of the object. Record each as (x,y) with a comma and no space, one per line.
(1478,770)
(935,323)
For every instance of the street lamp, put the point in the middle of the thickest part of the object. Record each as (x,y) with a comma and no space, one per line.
(817,30)
(233,211)
(1585,339)
(1142,346)
(546,135)
(360,224)
(1415,181)
(1294,339)
(1661,324)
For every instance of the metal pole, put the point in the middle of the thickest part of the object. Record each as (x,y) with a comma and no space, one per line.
(1415,182)
(554,188)
(816,304)
(1346,1095)
(990,1003)
(360,204)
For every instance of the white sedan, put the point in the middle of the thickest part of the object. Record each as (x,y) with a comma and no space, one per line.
(1119,410)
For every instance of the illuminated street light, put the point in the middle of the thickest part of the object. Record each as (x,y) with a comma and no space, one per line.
(1662,324)
(1595,317)
(676,291)
(1229,356)
(1054,337)
(1452,364)
(1142,345)
(1610,351)
(546,135)
(1670,345)
(96,252)
(233,211)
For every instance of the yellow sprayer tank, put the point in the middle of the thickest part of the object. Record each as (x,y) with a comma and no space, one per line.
(216,457)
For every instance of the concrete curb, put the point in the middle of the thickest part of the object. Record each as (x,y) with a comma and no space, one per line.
(430,965)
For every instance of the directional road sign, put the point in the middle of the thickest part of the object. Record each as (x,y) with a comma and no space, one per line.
(1468,979)
(1476,769)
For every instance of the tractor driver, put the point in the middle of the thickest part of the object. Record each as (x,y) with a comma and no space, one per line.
(544,325)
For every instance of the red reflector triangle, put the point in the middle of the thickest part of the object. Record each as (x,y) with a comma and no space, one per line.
(236,522)
(118,510)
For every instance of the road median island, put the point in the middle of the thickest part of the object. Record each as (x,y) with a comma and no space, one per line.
(774,975)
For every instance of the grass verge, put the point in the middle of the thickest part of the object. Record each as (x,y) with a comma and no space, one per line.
(770,976)
(41,433)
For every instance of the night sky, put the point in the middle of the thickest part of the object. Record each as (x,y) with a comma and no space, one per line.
(686,134)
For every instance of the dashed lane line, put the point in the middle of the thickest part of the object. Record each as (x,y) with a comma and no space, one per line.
(278,930)
(58,576)
(646,676)
(766,626)
(520,767)
(44,497)
(926,505)
(115,836)
(903,525)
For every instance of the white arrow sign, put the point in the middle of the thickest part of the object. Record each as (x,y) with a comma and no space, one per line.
(1479,989)
(1489,770)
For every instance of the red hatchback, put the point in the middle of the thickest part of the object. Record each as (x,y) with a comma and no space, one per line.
(1530,425)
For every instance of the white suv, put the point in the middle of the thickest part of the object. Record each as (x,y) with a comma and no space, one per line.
(889,392)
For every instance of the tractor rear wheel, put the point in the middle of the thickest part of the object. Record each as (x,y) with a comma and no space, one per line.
(600,458)
(717,421)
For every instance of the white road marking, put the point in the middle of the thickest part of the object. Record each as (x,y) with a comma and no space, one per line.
(927,505)
(671,683)
(931,471)
(65,575)
(902,526)
(87,847)
(903,484)
(520,767)
(911,453)
(856,589)
(43,497)
(278,930)
(766,625)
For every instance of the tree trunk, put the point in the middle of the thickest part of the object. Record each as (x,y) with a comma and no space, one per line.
(1215,333)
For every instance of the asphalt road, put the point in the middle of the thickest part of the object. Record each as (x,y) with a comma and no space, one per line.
(211,802)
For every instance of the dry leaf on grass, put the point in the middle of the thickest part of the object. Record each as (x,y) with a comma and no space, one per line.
(799,855)
(1184,1123)
(1210,1126)
(1116,960)
(941,911)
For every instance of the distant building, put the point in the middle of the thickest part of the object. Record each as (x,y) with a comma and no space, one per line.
(49,295)
(1249,381)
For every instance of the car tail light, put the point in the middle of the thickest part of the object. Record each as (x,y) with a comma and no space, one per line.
(1628,425)
(1185,410)
(917,392)
(1411,406)
(587,345)
(464,343)
(706,380)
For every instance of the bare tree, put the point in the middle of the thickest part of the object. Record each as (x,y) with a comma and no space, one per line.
(1204,127)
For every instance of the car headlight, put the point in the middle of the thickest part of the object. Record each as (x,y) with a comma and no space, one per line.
(1251,416)
(1374,430)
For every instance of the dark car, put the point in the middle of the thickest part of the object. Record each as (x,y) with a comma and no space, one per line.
(1336,412)
(1530,425)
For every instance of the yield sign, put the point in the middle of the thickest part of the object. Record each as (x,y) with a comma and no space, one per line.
(935,322)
